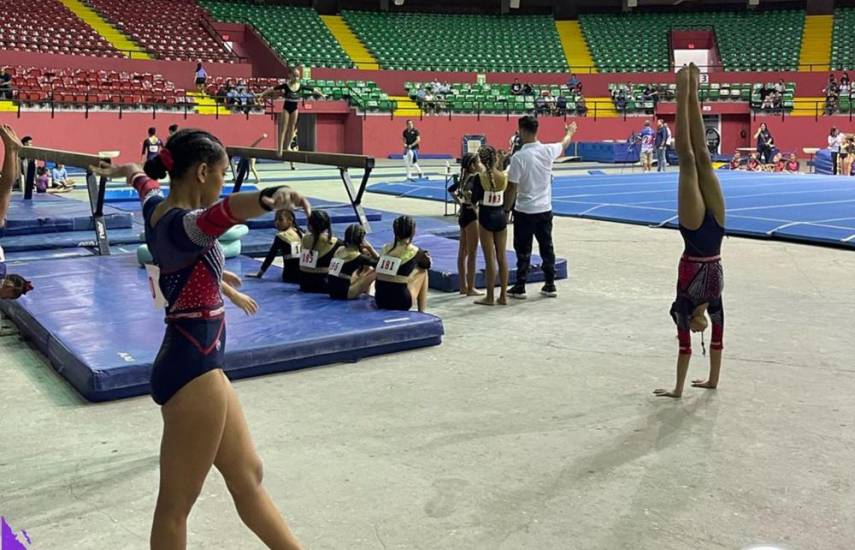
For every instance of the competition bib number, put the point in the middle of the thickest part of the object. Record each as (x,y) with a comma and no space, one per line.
(154,286)
(296,248)
(335,266)
(388,265)
(154,148)
(494,198)
(309,258)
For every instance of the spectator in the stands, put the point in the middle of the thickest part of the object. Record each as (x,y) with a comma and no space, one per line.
(516,87)
(528,89)
(223,94)
(736,161)
(429,102)
(549,100)
(59,177)
(835,138)
(792,164)
(5,84)
(573,82)
(172,129)
(540,105)
(844,87)
(581,106)
(201,77)
(832,95)
(620,100)
(561,105)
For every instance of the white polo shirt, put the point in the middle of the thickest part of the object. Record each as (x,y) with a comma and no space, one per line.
(531,170)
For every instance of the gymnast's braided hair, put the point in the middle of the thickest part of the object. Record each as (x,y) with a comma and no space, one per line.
(290,214)
(184,149)
(319,223)
(404,228)
(488,156)
(354,235)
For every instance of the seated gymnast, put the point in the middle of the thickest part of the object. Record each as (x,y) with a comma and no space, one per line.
(317,252)
(12,286)
(288,244)
(701,212)
(402,277)
(351,271)
(467,215)
(204,424)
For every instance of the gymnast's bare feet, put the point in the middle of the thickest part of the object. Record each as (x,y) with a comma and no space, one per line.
(665,393)
(473,292)
(699,383)
(485,302)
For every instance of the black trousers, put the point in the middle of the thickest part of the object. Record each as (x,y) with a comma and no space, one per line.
(765,154)
(834,156)
(538,226)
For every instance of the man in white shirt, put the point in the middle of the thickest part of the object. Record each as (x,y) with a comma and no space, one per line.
(530,178)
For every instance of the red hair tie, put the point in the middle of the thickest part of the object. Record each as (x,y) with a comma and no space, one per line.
(166,159)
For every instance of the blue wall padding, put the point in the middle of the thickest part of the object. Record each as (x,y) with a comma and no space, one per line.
(106,352)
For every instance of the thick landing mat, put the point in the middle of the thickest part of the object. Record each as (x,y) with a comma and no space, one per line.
(69,239)
(807,208)
(106,352)
(50,214)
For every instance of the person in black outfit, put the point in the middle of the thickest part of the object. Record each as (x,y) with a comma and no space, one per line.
(5,84)
(351,271)
(288,245)
(292,92)
(467,252)
(765,143)
(412,140)
(516,87)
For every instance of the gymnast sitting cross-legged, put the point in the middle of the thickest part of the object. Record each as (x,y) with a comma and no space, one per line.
(701,212)
(287,243)
(204,423)
(351,271)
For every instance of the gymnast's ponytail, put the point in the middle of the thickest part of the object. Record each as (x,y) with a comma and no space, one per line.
(488,156)
(319,223)
(354,236)
(404,228)
(184,149)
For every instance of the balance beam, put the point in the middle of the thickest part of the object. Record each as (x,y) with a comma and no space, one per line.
(341,161)
(69,158)
(95,187)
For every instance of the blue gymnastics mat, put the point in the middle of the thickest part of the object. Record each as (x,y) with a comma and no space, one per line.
(808,208)
(106,352)
(50,214)
(127,194)
(69,239)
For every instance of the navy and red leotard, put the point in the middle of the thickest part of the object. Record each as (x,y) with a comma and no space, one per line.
(184,246)
(700,280)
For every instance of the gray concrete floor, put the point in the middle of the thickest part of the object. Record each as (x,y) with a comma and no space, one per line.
(531,427)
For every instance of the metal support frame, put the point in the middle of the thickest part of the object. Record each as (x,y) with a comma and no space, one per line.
(342,161)
(94,186)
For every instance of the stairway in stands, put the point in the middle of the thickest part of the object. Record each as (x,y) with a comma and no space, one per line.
(405,107)
(207,105)
(351,45)
(575,48)
(110,33)
(7,106)
(816,43)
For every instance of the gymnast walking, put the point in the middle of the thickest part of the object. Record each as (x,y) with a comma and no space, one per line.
(351,272)
(288,244)
(488,193)
(12,286)
(204,424)
(701,212)
(467,215)
(292,93)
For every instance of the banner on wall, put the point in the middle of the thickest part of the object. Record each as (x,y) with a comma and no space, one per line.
(481,79)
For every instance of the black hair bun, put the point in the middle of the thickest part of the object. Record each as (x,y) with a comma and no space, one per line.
(154,168)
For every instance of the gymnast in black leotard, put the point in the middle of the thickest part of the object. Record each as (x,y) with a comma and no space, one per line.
(351,271)
(402,277)
(287,244)
(700,279)
(318,249)
(292,92)
(204,424)
(488,193)
(467,252)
